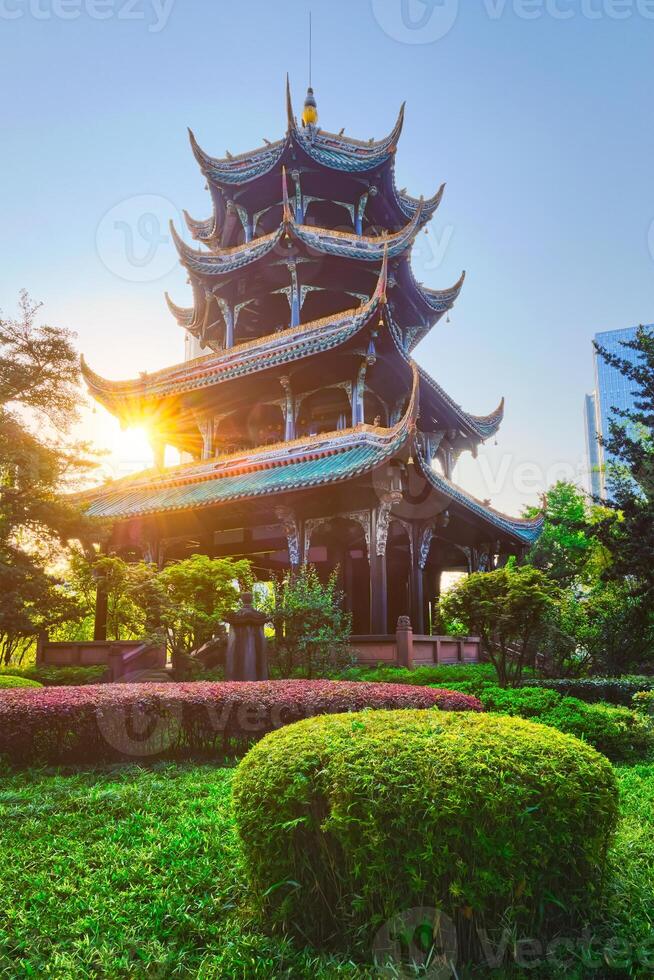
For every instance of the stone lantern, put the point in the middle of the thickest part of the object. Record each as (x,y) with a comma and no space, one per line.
(246,657)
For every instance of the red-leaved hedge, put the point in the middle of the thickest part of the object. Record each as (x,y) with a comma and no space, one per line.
(107,721)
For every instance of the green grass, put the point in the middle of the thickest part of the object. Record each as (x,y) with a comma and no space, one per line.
(129,872)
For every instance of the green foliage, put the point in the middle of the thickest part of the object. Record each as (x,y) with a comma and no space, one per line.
(7,680)
(567,548)
(610,630)
(615,690)
(629,532)
(58,676)
(525,702)
(191,599)
(128,587)
(133,873)
(31,600)
(600,622)
(146,862)
(618,733)
(182,605)
(472,675)
(508,610)
(39,396)
(346,820)
(644,702)
(312,630)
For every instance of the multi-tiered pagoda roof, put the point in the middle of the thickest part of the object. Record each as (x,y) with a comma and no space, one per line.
(308,312)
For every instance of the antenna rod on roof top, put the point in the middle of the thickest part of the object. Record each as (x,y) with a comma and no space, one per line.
(309,49)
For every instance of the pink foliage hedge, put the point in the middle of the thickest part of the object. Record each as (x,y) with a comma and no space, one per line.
(108,721)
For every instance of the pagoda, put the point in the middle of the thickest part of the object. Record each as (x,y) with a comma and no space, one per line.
(309,432)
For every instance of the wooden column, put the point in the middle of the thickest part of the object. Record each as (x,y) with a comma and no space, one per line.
(101,609)
(416,589)
(378,582)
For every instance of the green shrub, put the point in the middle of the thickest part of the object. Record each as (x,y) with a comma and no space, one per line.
(7,680)
(528,702)
(450,676)
(346,820)
(619,733)
(643,702)
(615,690)
(58,676)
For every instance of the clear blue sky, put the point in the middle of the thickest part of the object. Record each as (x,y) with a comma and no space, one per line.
(541,126)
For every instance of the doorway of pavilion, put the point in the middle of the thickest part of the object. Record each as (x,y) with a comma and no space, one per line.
(340,544)
(398,573)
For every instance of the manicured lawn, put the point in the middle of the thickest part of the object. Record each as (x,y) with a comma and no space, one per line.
(135,873)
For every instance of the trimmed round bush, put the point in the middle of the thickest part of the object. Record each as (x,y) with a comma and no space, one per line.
(8,680)
(346,821)
(110,721)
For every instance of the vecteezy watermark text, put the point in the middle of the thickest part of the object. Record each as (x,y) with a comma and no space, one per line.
(427,21)
(155,13)
(422,942)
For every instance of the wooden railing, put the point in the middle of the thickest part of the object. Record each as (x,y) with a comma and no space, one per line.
(121,658)
(404,648)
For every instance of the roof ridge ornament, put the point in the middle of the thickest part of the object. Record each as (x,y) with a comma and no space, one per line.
(291,123)
(310,110)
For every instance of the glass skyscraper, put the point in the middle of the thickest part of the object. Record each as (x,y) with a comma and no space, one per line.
(612,390)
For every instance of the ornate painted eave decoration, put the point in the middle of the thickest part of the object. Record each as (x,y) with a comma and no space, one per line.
(332,150)
(240,168)
(348,155)
(183,314)
(435,401)
(251,357)
(225,261)
(408,204)
(204,230)
(522,530)
(433,398)
(288,466)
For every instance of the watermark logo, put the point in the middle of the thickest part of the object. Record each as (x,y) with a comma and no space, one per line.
(133,240)
(430,247)
(154,13)
(140,728)
(419,942)
(569,9)
(416,21)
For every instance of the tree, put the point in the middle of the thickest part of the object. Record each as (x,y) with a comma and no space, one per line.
(508,609)
(39,399)
(628,534)
(312,629)
(568,548)
(630,538)
(30,601)
(189,599)
(128,587)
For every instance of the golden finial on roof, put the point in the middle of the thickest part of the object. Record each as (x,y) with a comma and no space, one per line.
(310,110)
